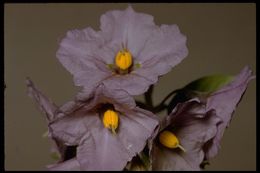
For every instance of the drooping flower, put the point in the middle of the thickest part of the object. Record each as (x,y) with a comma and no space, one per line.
(224,102)
(193,130)
(106,131)
(179,144)
(130,52)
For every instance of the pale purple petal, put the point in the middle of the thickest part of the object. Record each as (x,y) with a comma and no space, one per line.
(194,127)
(132,83)
(127,27)
(87,53)
(117,97)
(224,102)
(77,53)
(69,165)
(77,50)
(70,107)
(112,152)
(98,148)
(89,79)
(160,49)
(43,102)
(50,110)
(165,49)
(71,128)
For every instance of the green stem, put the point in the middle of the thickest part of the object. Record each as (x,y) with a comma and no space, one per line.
(143,105)
(148,97)
(148,105)
(144,159)
(161,106)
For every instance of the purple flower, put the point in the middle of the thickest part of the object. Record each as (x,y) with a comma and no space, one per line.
(130,52)
(192,126)
(224,102)
(106,131)
(193,130)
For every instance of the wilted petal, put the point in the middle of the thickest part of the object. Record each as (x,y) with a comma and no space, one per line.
(43,102)
(224,102)
(193,129)
(193,106)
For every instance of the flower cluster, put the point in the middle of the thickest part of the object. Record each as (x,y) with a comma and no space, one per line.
(105,128)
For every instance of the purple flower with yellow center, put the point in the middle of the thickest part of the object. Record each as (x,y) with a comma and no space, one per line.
(102,133)
(179,144)
(192,132)
(130,52)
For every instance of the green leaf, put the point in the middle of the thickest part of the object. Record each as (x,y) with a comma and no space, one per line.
(45,134)
(209,84)
(201,87)
(55,155)
(144,159)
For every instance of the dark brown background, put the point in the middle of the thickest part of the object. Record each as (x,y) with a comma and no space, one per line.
(221,39)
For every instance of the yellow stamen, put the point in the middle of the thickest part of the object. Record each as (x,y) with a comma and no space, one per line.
(110,120)
(123,59)
(168,139)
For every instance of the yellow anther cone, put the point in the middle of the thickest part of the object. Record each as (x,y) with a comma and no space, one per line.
(169,140)
(110,120)
(123,59)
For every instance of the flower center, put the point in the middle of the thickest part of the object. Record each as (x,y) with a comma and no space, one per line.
(110,120)
(123,59)
(169,140)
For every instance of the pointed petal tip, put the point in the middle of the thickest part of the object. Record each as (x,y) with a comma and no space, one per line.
(247,71)
(129,8)
(28,81)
